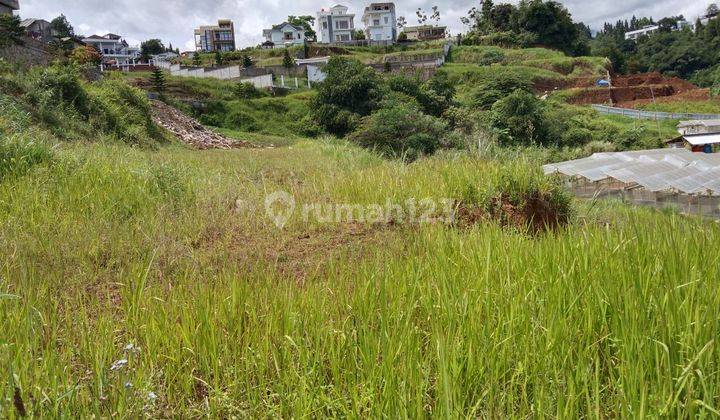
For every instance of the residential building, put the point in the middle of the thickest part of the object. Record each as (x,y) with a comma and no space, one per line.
(37,29)
(284,35)
(380,22)
(220,37)
(645,31)
(8,6)
(336,25)
(425,32)
(114,49)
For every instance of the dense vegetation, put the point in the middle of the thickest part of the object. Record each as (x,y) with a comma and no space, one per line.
(684,53)
(531,23)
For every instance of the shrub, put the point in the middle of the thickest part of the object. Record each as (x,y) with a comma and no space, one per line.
(241,120)
(123,112)
(521,119)
(58,86)
(401,132)
(497,86)
(350,91)
(86,55)
(10,30)
(576,136)
(490,57)
(245,90)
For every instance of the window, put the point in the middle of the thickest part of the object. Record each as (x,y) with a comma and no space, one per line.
(376,22)
(288,36)
(387,20)
(342,25)
(324,25)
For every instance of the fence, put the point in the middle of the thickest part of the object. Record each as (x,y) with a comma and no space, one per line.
(649,115)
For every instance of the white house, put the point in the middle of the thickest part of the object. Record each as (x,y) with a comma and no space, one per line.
(114,49)
(380,22)
(646,30)
(284,35)
(335,25)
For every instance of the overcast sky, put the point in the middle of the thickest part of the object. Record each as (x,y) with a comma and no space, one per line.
(173,21)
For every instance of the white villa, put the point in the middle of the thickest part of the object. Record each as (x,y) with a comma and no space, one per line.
(284,35)
(335,25)
(380,22)
(114,49)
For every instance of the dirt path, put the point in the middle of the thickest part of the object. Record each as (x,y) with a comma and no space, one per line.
(190,131)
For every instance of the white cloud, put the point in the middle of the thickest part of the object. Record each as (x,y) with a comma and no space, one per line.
(173,21)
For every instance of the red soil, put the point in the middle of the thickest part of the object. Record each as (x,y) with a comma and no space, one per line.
(629,91)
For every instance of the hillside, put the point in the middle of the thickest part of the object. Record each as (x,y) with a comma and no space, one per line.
(420,265)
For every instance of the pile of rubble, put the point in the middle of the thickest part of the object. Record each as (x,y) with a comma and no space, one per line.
(190,131)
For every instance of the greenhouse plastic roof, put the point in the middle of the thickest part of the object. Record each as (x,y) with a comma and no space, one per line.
(677,170)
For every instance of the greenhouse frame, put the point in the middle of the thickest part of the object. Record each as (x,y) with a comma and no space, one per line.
(661,178)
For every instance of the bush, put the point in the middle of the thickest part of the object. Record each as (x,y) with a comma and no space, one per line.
(520,118)
(11,31)
(401,132)
(497,86)
(576,136)
(491,57)
(58,86)
(124,113)
(244,90)
(350,91)
(240,120)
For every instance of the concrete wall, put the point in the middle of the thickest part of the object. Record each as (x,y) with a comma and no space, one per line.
(30,53)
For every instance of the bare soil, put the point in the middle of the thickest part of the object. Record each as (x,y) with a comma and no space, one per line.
(635,89)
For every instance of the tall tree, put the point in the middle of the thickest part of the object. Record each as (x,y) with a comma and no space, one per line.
(10,30)
(151,47)
(305,22)
(247,61)
(61,27)
(288,61)
(218,58)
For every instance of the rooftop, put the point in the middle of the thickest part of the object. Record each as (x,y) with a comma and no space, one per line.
(677,170)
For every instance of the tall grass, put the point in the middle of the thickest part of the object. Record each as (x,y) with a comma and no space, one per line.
(165,260)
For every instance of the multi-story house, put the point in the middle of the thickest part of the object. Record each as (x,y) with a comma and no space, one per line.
(425,32)
(336,25)
(220,37)
(114,49)
(284,35)
(8,6)
(380,22)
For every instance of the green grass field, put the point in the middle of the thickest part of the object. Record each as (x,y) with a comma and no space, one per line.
(166,260)
(140,278)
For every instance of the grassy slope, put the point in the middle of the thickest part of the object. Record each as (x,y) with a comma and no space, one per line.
(170,251)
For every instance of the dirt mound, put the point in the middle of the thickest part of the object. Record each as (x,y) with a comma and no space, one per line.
(190,131)
(652,79)
(535,215)
(688,96)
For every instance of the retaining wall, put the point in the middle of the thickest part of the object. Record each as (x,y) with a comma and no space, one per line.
(30,53)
